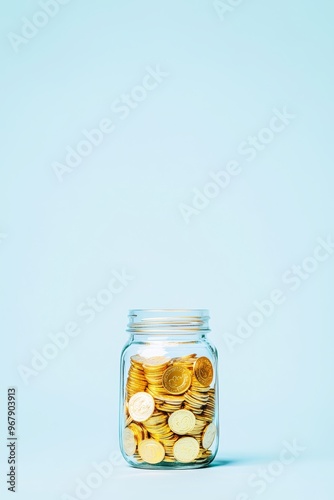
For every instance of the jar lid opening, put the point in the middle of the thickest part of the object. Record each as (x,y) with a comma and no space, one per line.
(164,320)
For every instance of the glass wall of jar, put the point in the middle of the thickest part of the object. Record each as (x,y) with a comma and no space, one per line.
(169,390)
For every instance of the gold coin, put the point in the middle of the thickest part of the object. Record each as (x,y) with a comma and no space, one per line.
(155,361)
(141,406)
(203,370)
(176,379)
(129,441)
(182,421)
(151,451)
(137,359)
(186,449)
(209,435)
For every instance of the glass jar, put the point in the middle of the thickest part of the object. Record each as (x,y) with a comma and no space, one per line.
(169,390)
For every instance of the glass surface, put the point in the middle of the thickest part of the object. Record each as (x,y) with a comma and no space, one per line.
(168,365)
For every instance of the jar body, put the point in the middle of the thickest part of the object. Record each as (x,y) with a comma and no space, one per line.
(169,394)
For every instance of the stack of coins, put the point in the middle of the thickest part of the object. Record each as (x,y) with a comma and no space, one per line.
(136,378)
(153,370)
(209,410)
(169,410)
(186,361)
(159,430)
(198,429)
(169,403)
(198,395)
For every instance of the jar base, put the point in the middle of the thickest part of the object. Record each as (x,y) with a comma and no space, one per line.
(171,465)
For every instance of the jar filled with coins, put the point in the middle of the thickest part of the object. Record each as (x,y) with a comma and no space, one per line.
(169,390)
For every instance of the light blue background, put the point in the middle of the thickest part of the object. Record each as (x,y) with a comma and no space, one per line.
(120,209)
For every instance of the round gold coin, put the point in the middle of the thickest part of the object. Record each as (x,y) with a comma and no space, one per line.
(186,449)
(209,435)
(176,379)
(141,406)
(151,451)
(182,421)
(137,359)
(155,361)
(129,441)
(203,371)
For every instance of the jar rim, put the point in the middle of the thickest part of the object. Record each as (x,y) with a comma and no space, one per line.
(168,320)
(196,312)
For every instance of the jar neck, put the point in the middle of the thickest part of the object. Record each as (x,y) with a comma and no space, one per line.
(168,322)
(167,337)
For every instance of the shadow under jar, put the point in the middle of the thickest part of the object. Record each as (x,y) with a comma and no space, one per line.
(169,390)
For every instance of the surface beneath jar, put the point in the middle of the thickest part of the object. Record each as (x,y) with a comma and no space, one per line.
(228,478)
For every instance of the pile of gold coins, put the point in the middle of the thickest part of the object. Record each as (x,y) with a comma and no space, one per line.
(169,410)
